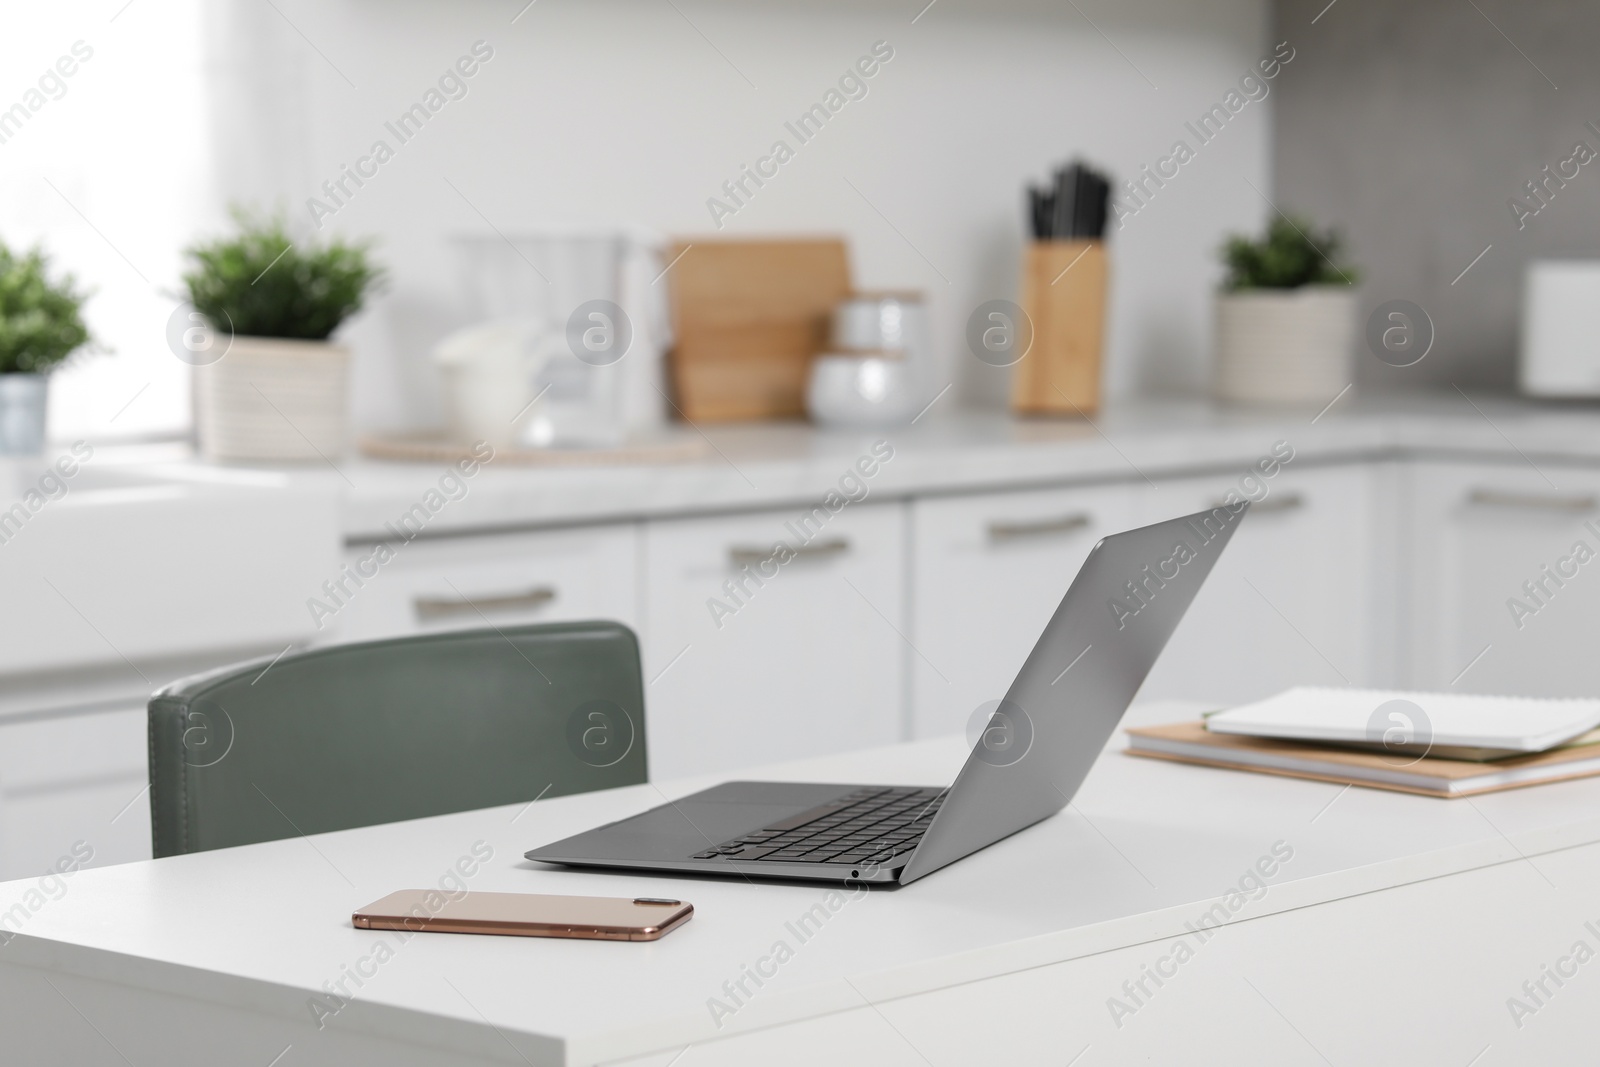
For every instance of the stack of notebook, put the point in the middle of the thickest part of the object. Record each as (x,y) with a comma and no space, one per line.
(1435,744)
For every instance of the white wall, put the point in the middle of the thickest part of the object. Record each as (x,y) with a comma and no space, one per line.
(637,111)
(1415,148)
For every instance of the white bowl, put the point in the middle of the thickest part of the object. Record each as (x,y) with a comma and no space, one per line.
(860,390)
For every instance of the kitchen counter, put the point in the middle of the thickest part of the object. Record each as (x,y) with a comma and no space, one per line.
(156,565)
(748,467)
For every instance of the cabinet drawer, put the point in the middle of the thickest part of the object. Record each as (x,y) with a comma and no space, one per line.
(988,573)
(1292,599)
(1505,579)
(502,580)
(807,660)
(78,778)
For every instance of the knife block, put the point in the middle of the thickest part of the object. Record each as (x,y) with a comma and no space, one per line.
(1064,296)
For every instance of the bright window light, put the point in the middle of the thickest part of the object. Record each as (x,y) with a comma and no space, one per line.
(107,167)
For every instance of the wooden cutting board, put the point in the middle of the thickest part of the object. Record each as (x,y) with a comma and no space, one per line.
(749,316)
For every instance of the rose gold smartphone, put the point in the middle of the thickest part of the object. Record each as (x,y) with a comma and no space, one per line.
(525,915)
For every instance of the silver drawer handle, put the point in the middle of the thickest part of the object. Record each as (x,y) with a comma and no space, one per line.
(1277,502)
(1497,498)
(433,608)
(1012,530)
(746,555)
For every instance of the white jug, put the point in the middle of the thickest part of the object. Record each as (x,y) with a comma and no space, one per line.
(569,348)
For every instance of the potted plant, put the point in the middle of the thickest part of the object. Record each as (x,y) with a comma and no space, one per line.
(272,386)
(1286,317)
(40,326)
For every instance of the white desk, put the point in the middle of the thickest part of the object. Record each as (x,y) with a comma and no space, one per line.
(1394,934)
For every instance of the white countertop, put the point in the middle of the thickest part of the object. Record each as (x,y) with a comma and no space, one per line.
(768,465)
(1147,848)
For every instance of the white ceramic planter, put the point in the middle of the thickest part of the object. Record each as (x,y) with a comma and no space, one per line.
(269,400)
(1288,346)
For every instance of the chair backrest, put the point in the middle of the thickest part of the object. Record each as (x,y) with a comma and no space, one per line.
(353,735)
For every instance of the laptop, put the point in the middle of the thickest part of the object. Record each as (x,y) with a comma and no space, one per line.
(1034,752)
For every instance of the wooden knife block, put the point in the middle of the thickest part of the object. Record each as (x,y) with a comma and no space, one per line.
(1064,295)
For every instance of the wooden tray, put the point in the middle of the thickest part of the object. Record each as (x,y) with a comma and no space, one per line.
(440,450)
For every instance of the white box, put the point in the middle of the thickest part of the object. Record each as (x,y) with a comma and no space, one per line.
(1561,328)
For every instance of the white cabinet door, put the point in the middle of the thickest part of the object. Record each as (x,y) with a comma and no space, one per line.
(73,789)
(807,660)
(1291,601)
(988,572)
(1505,579)
(490,580)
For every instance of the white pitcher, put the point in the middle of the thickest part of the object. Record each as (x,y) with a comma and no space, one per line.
(569,348)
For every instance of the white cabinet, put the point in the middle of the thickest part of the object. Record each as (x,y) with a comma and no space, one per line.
(1505,578)
(901,619)
(73,787)
(750,659)
(489,580)
(988,571)
(77,777)
(1292,601)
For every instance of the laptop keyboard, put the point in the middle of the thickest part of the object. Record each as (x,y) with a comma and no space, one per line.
(876,825)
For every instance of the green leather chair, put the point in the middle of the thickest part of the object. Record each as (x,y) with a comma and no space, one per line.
(359,734)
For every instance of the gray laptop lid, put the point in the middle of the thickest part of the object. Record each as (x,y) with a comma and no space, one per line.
(1071,692)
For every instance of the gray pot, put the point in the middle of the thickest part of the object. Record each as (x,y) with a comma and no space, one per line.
(22,408)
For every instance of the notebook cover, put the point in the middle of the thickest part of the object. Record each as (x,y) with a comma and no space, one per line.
(1320,714)
(1333,759)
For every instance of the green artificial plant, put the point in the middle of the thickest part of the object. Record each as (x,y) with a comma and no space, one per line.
(1292,254)
(262,283)
(41,321)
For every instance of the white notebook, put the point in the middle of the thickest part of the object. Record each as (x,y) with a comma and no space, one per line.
(1395,718)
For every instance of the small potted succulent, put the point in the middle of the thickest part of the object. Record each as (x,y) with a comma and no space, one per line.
(41,324)
(270,386)
(1286,317)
